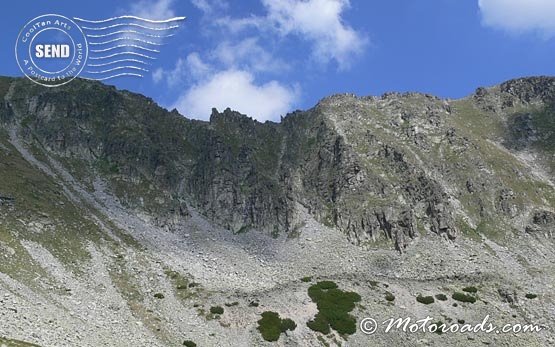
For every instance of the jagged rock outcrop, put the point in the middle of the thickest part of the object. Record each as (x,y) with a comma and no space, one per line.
(393,167)
(508,295)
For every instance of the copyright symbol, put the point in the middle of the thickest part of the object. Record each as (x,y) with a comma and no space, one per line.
(368,326)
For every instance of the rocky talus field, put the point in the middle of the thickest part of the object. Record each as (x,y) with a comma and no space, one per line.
(124,224)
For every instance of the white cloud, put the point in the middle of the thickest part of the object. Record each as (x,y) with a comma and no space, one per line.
(246,54)
(196,66)
(249,54)
(236,25)
(520,15)
(318,21)
(209,6)
(238,90)
(158,75)
(153,9)
(190,68)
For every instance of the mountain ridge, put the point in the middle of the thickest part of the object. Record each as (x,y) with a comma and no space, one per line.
(124,224)
(245,174)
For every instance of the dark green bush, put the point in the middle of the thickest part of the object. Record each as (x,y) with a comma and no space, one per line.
(320,324)
(159,296)
(271,326)
(217,310)
(288,324)
(334,306)
(253,304)
(531,296)
(306,279)
(462,297)
(426,300)
(189,343)
(326,285)
(470,289)
(441,297)
(389,296)
(230,304)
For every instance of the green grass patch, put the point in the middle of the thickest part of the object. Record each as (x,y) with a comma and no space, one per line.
(426,300)
(217,310)
(320,324)
(470,289)
(189,343)
(184,288)
(324,285)
(463,297)
(306,279)
(334,306)
(271,326)
(531,296)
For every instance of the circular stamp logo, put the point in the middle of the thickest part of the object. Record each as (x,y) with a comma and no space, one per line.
(51,50)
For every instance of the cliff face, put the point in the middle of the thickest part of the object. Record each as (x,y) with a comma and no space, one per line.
(387,168)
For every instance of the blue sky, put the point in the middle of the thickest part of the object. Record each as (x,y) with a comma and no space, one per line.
(268,57)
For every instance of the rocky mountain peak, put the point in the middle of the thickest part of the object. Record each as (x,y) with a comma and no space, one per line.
(530,89)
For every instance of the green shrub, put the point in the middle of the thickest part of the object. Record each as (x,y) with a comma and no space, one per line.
(326,285)
(271,326)
(441,297)
(159,296)
(306,279)
(470,289)
(426,300)
(531,296)
(320,324)
(389,296)
(189,343)
(217,310)
(288,324)
(334,306)
(235,303)
(462,297)
(343,323)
